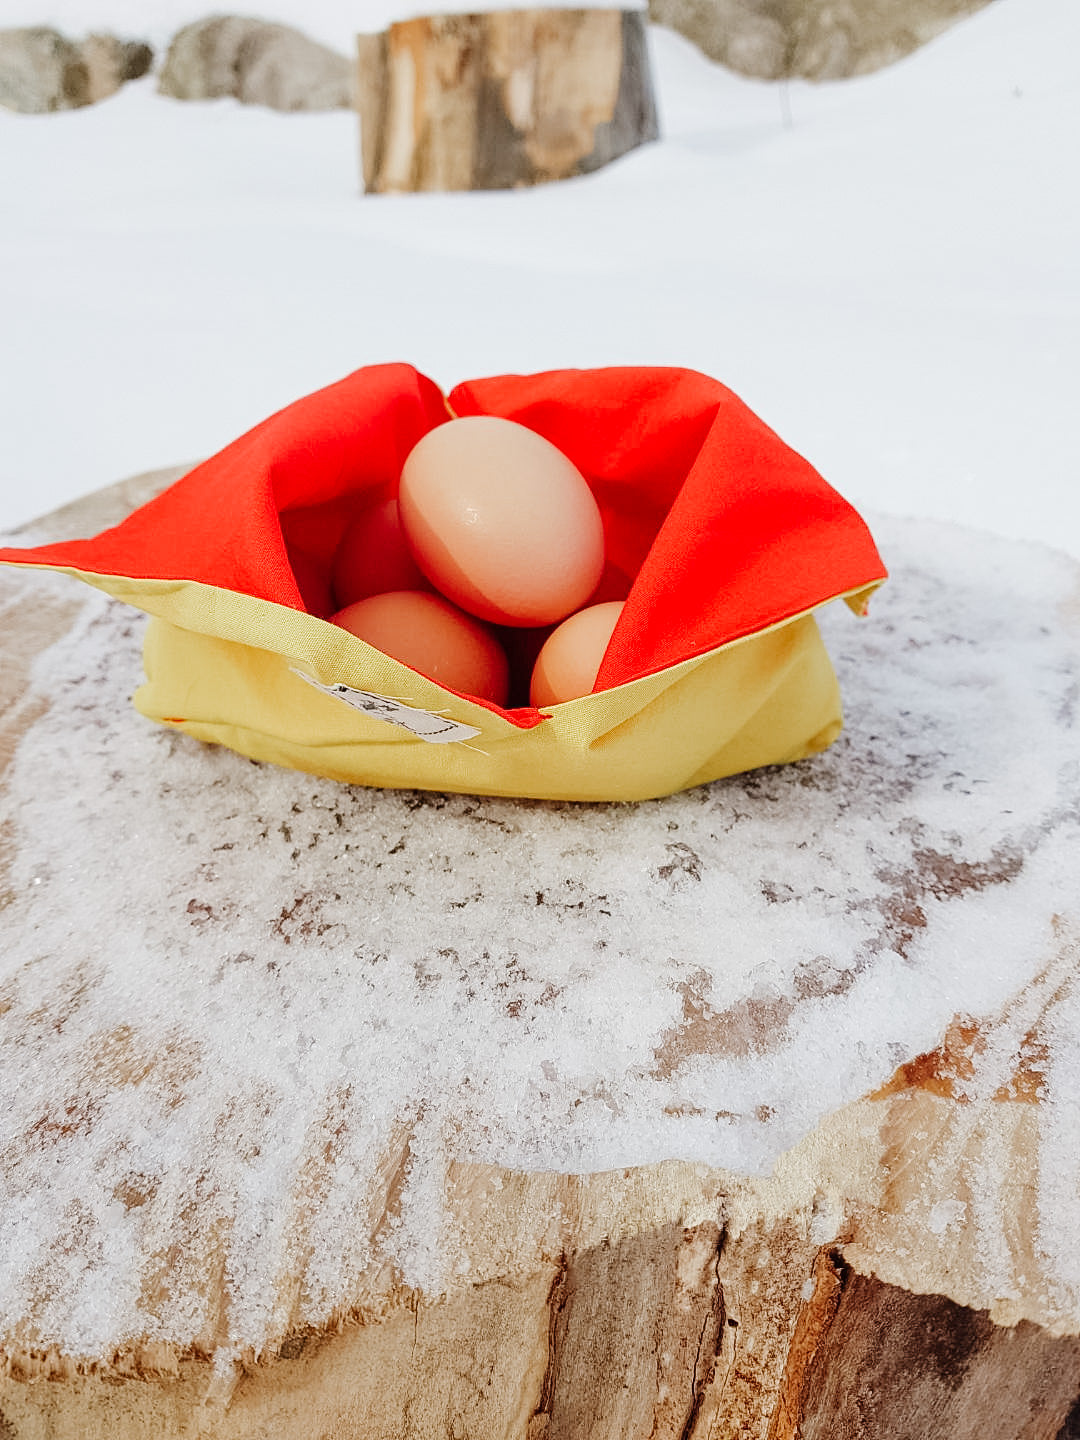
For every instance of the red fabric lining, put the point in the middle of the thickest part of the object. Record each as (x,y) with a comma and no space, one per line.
(726,529)
(220,523)
(750,533)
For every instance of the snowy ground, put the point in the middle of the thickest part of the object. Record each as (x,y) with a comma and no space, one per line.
(886,269)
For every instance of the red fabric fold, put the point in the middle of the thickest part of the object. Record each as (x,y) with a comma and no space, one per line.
(222,523)
(719,527)
(725,529)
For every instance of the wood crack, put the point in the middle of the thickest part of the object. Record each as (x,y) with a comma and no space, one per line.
(540,1419)
(710,1343)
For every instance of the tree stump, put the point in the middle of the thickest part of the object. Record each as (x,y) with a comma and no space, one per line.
(206,1237)
(488,102)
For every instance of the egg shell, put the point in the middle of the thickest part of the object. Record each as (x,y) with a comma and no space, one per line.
(566,667)
(373,556)
(501,521)
(430,635)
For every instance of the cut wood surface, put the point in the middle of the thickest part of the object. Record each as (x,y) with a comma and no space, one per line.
(487,102)
(684,1333)
(896,1271)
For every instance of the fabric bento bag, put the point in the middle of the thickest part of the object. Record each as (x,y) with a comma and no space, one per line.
(723,540)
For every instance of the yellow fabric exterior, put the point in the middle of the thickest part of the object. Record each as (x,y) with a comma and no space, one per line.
(220,666)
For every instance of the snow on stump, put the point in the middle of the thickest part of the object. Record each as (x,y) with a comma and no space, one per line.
(750,1113)
(487,102)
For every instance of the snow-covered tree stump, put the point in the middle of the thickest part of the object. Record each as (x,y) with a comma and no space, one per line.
(352,1113)
(490,101)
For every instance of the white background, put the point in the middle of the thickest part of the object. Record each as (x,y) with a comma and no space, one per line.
(885,268)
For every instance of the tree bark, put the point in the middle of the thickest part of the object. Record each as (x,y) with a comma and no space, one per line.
(489,102)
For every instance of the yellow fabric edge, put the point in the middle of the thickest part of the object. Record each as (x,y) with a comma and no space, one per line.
(274,623)
(220,664)
(766,702)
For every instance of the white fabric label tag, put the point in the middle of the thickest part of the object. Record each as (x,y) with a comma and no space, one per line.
(435,729)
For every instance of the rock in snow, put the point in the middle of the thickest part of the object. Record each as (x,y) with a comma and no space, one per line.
(815,39)
(258,63)
(41,70)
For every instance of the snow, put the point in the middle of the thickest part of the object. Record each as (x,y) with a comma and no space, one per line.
(235,992)
(229,992)
(890,279)
(332,22)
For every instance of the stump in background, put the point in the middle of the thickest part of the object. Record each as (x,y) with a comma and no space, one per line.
(487,102)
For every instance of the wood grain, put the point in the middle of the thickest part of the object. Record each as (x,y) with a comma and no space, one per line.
(488,102)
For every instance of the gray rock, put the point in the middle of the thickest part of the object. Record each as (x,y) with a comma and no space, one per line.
(258,63)
(814,39)
(749,36)
(42,71)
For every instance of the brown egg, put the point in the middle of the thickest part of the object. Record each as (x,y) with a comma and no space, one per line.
(501,521)
(428,634)
(374,556)
(566,667)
